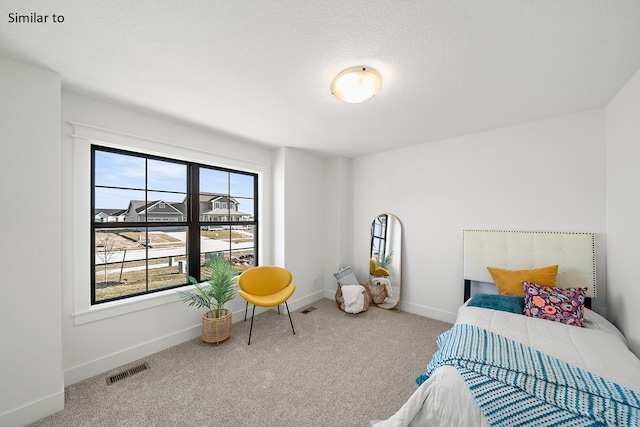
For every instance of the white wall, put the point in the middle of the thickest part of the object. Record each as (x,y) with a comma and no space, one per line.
(99,338)
(338,213)
(31,384)
(623,209)
(301,208)
(543,175)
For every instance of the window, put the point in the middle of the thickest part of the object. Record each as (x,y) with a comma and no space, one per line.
(379,237)
(168,222)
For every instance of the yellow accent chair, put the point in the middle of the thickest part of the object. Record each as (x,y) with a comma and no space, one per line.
(374,270)
(266,286)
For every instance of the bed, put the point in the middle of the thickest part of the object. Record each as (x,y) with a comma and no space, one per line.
(503,365)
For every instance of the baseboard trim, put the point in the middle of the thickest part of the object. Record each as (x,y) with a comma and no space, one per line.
(120,358)
(330,294)
(420,310)
(114,360)
(34,411)
(306,300)
(432,313)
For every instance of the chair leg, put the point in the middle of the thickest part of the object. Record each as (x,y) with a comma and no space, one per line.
(245,310)
(289,313)
(251,328)
(278,308)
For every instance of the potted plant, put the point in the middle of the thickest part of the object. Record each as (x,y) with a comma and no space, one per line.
(221,280)
(384,261)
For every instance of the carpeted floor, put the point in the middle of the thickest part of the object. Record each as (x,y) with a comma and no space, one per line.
(338,370)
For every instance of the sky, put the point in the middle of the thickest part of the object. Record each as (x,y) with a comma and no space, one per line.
(124,178)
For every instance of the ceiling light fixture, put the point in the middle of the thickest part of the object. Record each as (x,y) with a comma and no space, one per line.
(356,84)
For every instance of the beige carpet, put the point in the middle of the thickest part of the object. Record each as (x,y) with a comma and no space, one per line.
(338,370)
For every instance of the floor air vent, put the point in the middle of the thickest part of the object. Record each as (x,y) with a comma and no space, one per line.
(308,310)
(124,374)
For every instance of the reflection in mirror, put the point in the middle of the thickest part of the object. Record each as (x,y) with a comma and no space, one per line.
(385,261)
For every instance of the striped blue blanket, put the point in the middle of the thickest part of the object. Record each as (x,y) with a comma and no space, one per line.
(516,385)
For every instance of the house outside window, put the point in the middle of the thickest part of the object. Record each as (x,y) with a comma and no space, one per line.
(157,220)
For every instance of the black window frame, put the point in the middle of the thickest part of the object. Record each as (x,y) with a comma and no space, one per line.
(193,223)
(379,223)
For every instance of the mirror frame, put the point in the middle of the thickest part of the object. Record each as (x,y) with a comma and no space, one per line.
(386,237)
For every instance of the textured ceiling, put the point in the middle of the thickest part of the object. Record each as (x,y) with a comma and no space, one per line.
(261,69)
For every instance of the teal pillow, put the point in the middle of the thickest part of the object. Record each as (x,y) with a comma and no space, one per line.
(509,303)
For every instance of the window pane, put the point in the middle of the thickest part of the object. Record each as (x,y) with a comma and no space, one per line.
(125,255)
(166,176)
(214,181)
(214,239)
(379,226)
(166,207)
(243,242)
(240,260)
(377,249)
(241,185)
(167,257)
(113,204)
(243,259)
(124,278)
(120,261)
(245,209)
(237,243)
(243,237)
(119,170)
(214,207)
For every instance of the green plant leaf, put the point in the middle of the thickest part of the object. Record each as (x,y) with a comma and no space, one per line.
(221,281)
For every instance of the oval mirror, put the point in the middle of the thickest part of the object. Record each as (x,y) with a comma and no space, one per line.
(385,261)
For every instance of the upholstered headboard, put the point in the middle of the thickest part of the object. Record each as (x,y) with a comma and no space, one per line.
(574,253)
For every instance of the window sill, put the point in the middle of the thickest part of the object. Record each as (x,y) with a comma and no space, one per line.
(118,308)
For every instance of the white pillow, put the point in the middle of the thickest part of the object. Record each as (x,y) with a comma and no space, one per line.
(345,277)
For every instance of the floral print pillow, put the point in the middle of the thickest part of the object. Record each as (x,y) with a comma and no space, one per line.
(565,305)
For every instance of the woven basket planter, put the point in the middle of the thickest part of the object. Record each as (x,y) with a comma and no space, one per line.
(216,329)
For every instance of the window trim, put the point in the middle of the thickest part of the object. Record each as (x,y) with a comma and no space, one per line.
(83,135)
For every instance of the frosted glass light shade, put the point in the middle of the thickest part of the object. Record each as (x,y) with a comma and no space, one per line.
(356,84)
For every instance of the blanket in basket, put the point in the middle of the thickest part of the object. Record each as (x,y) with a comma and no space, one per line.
(516,385)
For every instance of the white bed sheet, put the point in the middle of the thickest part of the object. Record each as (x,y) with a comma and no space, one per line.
(445,400)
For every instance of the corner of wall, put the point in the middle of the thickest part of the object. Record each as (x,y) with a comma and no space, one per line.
(31,131)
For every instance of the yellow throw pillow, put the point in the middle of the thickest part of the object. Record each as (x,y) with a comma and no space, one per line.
(509,282)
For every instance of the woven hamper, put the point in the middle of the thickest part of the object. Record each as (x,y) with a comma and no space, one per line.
(340,299)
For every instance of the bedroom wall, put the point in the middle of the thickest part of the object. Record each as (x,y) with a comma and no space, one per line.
(623,209)
(92,347)
(30,335)
(105,343)
(542,175)
(339,220)
(300,210)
